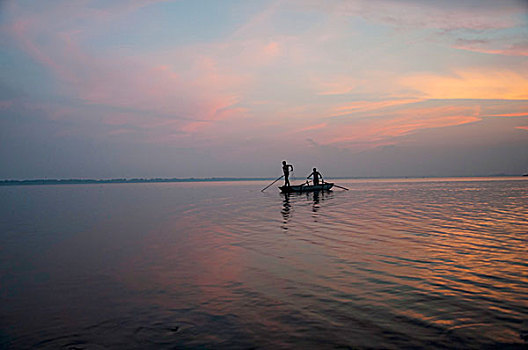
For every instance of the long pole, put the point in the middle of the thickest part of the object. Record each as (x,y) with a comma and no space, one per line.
(262,190)
(341,187)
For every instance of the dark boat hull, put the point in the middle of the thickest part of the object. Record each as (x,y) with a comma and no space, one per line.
(306,188)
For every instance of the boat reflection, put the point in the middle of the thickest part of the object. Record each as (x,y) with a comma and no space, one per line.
(317,198)
(286,209)
(315,205)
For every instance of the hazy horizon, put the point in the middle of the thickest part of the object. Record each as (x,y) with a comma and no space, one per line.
(85,180)
(180,89)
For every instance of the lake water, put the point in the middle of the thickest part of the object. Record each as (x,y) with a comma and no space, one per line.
(423,263)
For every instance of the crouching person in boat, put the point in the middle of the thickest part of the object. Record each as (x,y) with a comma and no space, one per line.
(316,176)
(286,170)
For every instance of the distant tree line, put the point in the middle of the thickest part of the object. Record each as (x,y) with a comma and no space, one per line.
(109,181)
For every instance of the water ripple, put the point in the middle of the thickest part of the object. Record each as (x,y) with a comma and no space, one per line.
(389,264)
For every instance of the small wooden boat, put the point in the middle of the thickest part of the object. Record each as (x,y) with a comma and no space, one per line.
(306,188)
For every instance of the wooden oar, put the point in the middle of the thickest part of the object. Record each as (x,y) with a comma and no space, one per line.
(341,187)
(265,188)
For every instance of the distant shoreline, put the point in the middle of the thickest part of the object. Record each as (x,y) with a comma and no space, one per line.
(36,182)
(117,181)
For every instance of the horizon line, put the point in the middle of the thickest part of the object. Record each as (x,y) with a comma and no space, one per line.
(79,181)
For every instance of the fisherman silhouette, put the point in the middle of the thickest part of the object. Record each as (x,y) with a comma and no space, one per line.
(316,175)
(286,171)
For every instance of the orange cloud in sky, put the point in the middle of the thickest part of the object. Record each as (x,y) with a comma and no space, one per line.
(271,49)
(520,114)
(189,89)
(494,47)
(314,127)
(375,129)
(378,131)
(504,108)
(470,84)
(512,51)
(364,106)
(522,127)
(401,126)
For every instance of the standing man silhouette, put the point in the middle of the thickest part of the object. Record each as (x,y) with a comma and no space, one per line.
(286,171)
(316,175)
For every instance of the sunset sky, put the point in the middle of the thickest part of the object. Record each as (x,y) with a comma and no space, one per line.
(105,89)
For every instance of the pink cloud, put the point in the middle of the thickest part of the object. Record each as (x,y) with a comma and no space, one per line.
(379,131)
(118,132)
(314,127)
(255,23)
(202,92)
(5,104)
(366,106)
(119,118)
(167,102)
(374,130)
(207,88)
(244,54)
(486,46)
(24,31)
(271,49)
(193,127)
(334,85)
(520,114)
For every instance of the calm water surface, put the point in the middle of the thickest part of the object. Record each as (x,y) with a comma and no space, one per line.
(389,264)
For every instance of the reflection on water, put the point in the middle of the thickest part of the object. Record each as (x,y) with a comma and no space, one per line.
(314,197)
(315,206)
(286,208)
(389,264)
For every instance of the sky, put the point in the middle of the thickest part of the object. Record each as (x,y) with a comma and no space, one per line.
(111,89)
